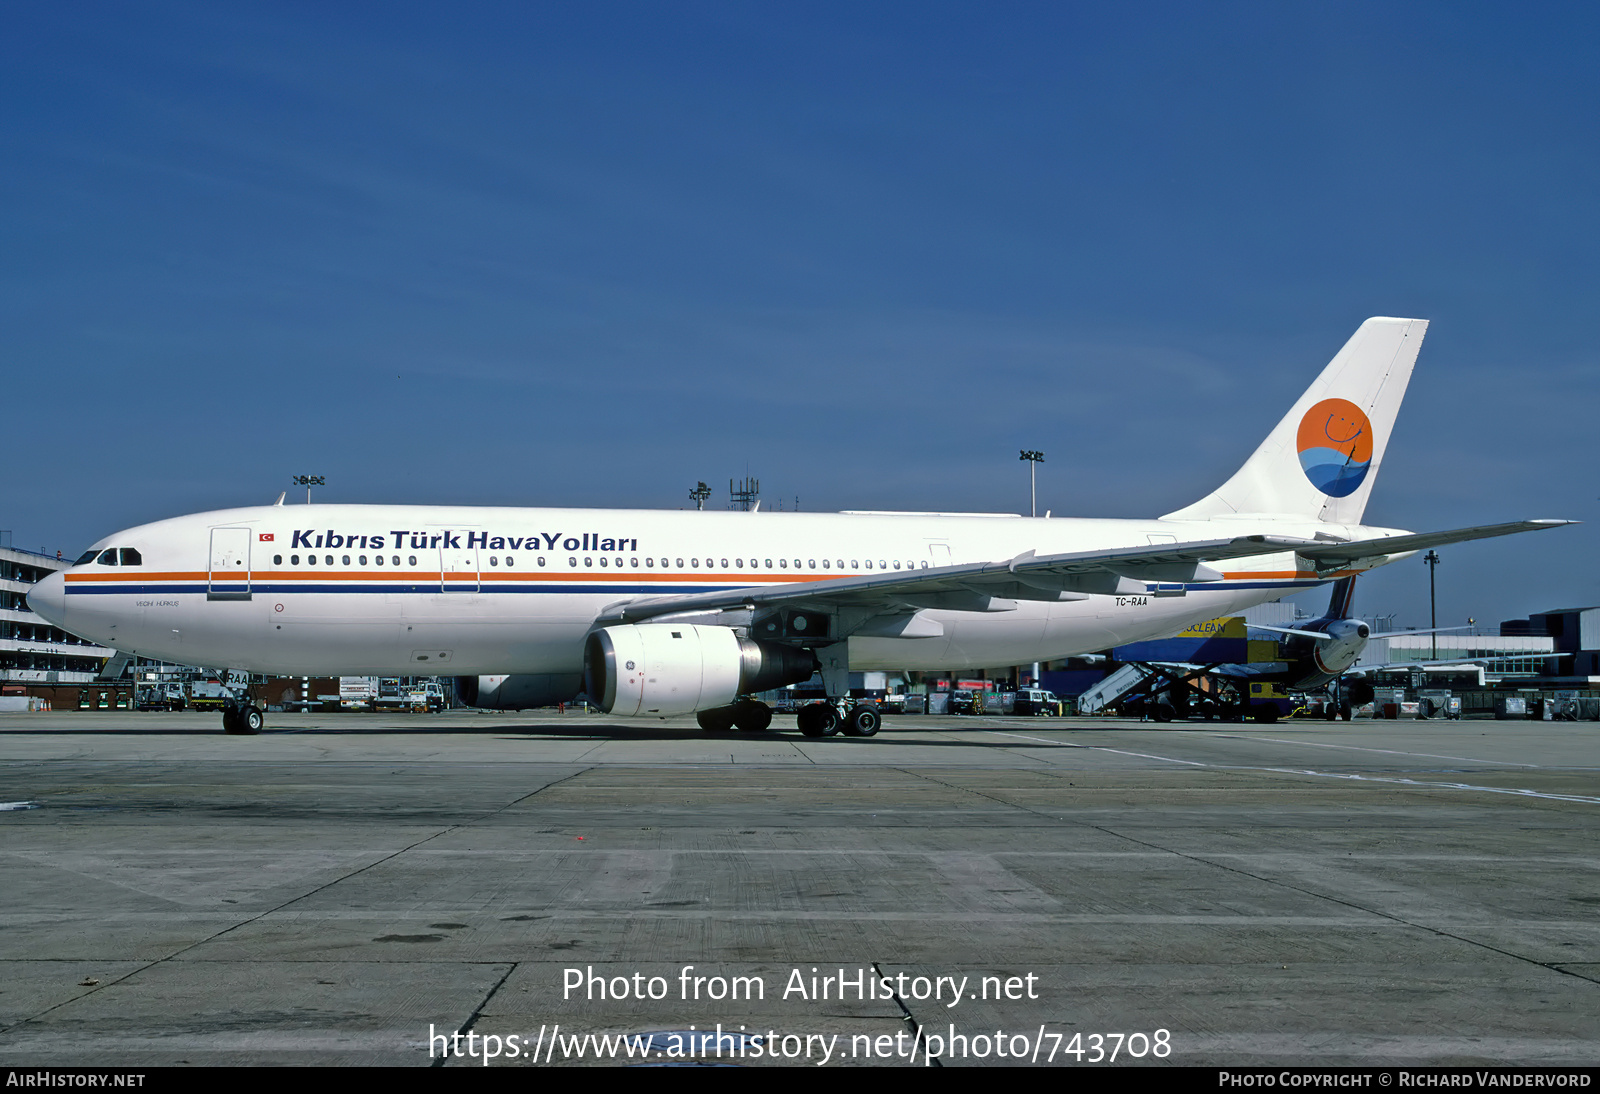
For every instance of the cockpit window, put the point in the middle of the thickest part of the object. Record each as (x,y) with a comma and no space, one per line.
(108,557)
(87,556)
(131,557)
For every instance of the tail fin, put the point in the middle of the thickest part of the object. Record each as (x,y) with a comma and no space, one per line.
(1321,460)
(1342,599)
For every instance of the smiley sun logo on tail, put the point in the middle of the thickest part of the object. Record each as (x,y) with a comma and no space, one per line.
(1335,444)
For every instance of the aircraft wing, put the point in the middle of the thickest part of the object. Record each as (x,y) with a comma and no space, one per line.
(979,586)
(1333,556)
(1359,669)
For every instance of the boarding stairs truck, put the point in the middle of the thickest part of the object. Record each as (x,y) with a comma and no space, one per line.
(1112,688)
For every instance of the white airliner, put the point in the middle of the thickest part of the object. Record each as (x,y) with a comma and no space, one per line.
(660,613)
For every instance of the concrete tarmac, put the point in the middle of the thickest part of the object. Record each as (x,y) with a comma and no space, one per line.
(332,890)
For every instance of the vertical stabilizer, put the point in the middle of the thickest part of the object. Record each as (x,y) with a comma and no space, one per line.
(1321,460)
(1341,602)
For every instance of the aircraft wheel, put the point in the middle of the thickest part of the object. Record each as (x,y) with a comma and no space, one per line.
(809,721)
(752,716)
(717,720)
(234,721)
(863,721)
(1162,711)
(818,720)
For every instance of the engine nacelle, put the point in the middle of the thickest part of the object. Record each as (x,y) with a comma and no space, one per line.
(659,669)
(520,692)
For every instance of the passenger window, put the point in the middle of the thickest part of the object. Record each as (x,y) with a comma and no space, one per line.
(797,564)
(882,565)
(493,561)
(825,564)
(311,560)
(378,559)
(739,563)
(897,564)
(572,562)
(854,565)
(619,564)
(768,562)
(869,564)
(108,557)
(841,563)
(511,560)
(329,559)
(783,564)
(395,560)
(634,563)
(411,560)
(363,560)
(589,563)
(602,561)
(130,557)
(294,560)
(345,560)
(539,562)
(680,563)
(724,564)
(650,562)
(924,565)
(277,560)
(694,562)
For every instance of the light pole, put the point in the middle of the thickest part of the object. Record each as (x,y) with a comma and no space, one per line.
(308,481)
(1431,559)
(699,495)
(1034,460)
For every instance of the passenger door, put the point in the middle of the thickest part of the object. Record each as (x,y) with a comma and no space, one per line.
(229,576)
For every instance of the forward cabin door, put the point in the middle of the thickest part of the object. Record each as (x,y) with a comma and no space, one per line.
(229,577)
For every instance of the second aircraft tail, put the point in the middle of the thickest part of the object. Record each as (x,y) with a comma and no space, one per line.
(1321,460)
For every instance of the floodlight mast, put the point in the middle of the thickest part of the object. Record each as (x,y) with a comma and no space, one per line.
(308,481)
(699,495)
(1431,560)
(1034,458)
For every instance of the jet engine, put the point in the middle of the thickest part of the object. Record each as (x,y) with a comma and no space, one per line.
(518,692)
(678,668)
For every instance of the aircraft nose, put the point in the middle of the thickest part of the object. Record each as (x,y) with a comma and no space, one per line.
(48,599)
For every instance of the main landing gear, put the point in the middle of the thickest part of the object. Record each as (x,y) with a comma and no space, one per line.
(750,715)
(839,716)
(851,718)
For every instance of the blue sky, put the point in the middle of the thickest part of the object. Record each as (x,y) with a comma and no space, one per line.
(591,254)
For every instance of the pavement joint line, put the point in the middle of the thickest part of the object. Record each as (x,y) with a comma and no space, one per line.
(472,1019)
(1394,780)
(292,900)
(916,1026)
(1387,751)
(951,736)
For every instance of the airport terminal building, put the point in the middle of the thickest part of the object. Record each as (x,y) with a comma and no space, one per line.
(32,652)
